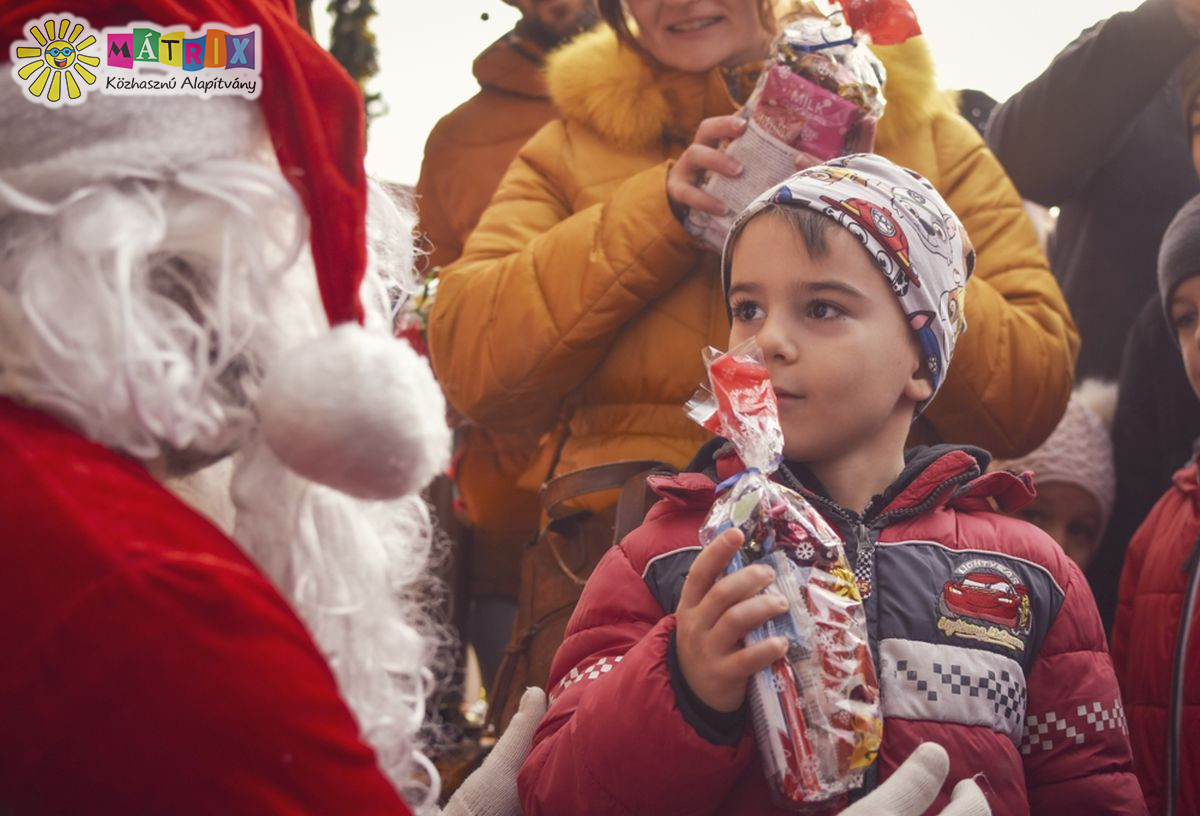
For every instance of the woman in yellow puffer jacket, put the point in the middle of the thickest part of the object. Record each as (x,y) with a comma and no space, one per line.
(580,305)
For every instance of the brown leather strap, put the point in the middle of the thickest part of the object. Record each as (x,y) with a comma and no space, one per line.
(630,477)
(636,498)
(562,489)
(501,687)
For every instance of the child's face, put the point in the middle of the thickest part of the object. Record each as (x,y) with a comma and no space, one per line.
(840,354)
(1070,515)
(1184,308)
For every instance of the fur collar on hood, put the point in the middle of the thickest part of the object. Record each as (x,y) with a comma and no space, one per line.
(626,99)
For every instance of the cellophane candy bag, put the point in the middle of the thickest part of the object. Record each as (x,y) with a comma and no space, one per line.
(818,85)
(816,711)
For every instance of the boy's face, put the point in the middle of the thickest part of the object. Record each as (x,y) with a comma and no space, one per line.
(840,354)
(1070,515)
(1183,309)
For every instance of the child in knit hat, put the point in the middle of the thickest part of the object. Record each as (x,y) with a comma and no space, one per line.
(1157,661)
(850,278)
(1073,473)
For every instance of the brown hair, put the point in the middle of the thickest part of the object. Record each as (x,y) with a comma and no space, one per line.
(613,13)
(810,226)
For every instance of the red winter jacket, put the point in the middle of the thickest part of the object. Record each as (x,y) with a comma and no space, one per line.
(1160,565)
(148,666)
(1024,693)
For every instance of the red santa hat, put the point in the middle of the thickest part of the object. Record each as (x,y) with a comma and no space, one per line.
(314,115)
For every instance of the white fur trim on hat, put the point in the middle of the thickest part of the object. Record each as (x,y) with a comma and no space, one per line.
(1080,450)
(356,410)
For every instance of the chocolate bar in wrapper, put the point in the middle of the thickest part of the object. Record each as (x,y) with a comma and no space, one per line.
(815,711)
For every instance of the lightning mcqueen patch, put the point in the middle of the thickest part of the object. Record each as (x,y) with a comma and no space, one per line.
(985,601)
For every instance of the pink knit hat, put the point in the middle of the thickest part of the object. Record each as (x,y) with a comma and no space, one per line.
(1080,450)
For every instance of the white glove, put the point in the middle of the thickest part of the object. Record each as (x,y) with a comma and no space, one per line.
(914,786)
(492,789)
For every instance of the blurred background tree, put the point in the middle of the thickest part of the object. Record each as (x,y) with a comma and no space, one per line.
(352,43)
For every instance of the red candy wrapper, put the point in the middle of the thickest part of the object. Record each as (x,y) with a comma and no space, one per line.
(888,22)
(816,711)
(741,405)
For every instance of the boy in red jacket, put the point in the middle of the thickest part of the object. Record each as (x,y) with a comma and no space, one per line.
(985,636)
(1156,610)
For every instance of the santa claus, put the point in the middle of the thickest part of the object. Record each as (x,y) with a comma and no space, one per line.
(170,269)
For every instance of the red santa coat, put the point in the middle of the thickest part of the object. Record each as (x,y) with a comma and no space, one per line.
(1159,565)
(148,666)
(1035,708)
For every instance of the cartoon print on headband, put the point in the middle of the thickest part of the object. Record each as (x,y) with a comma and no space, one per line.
(935,229)
(832,174)
(922,324)
(865,219)
(951,306)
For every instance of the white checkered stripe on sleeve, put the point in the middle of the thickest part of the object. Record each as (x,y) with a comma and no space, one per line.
(1053,729)
(593,672)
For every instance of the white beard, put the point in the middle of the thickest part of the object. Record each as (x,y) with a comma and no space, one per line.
(358,573)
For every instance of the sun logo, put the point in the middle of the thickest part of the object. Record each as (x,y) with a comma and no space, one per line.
(57,62)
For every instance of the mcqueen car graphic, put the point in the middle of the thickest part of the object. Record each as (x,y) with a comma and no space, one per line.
(989,597)
(880,224)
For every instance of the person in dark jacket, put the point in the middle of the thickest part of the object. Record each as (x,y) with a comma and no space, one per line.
(1119,174)
(655,645)
(1118,171)
(1157,663)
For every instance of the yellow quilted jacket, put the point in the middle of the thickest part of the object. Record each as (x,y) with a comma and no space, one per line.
(580,305)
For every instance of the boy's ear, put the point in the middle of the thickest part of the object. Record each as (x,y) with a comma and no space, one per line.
(920,385)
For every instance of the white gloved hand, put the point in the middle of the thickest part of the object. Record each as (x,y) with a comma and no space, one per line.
(914,786)
(492,789)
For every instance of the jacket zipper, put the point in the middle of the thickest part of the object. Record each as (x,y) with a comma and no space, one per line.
(1191,567)
(864,551)
(864,558)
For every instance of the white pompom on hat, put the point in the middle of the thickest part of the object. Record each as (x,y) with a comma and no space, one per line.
(1079,451)
(340,410)
(360,410)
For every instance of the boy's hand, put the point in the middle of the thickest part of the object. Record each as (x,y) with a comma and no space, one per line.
(714,615)
(701,156)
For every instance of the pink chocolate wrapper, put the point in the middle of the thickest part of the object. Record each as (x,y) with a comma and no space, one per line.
(804,115)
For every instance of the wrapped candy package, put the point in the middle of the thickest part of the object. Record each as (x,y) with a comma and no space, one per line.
(815,711)
(819,84)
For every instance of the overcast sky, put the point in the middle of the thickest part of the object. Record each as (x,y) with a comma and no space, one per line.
(426,49)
